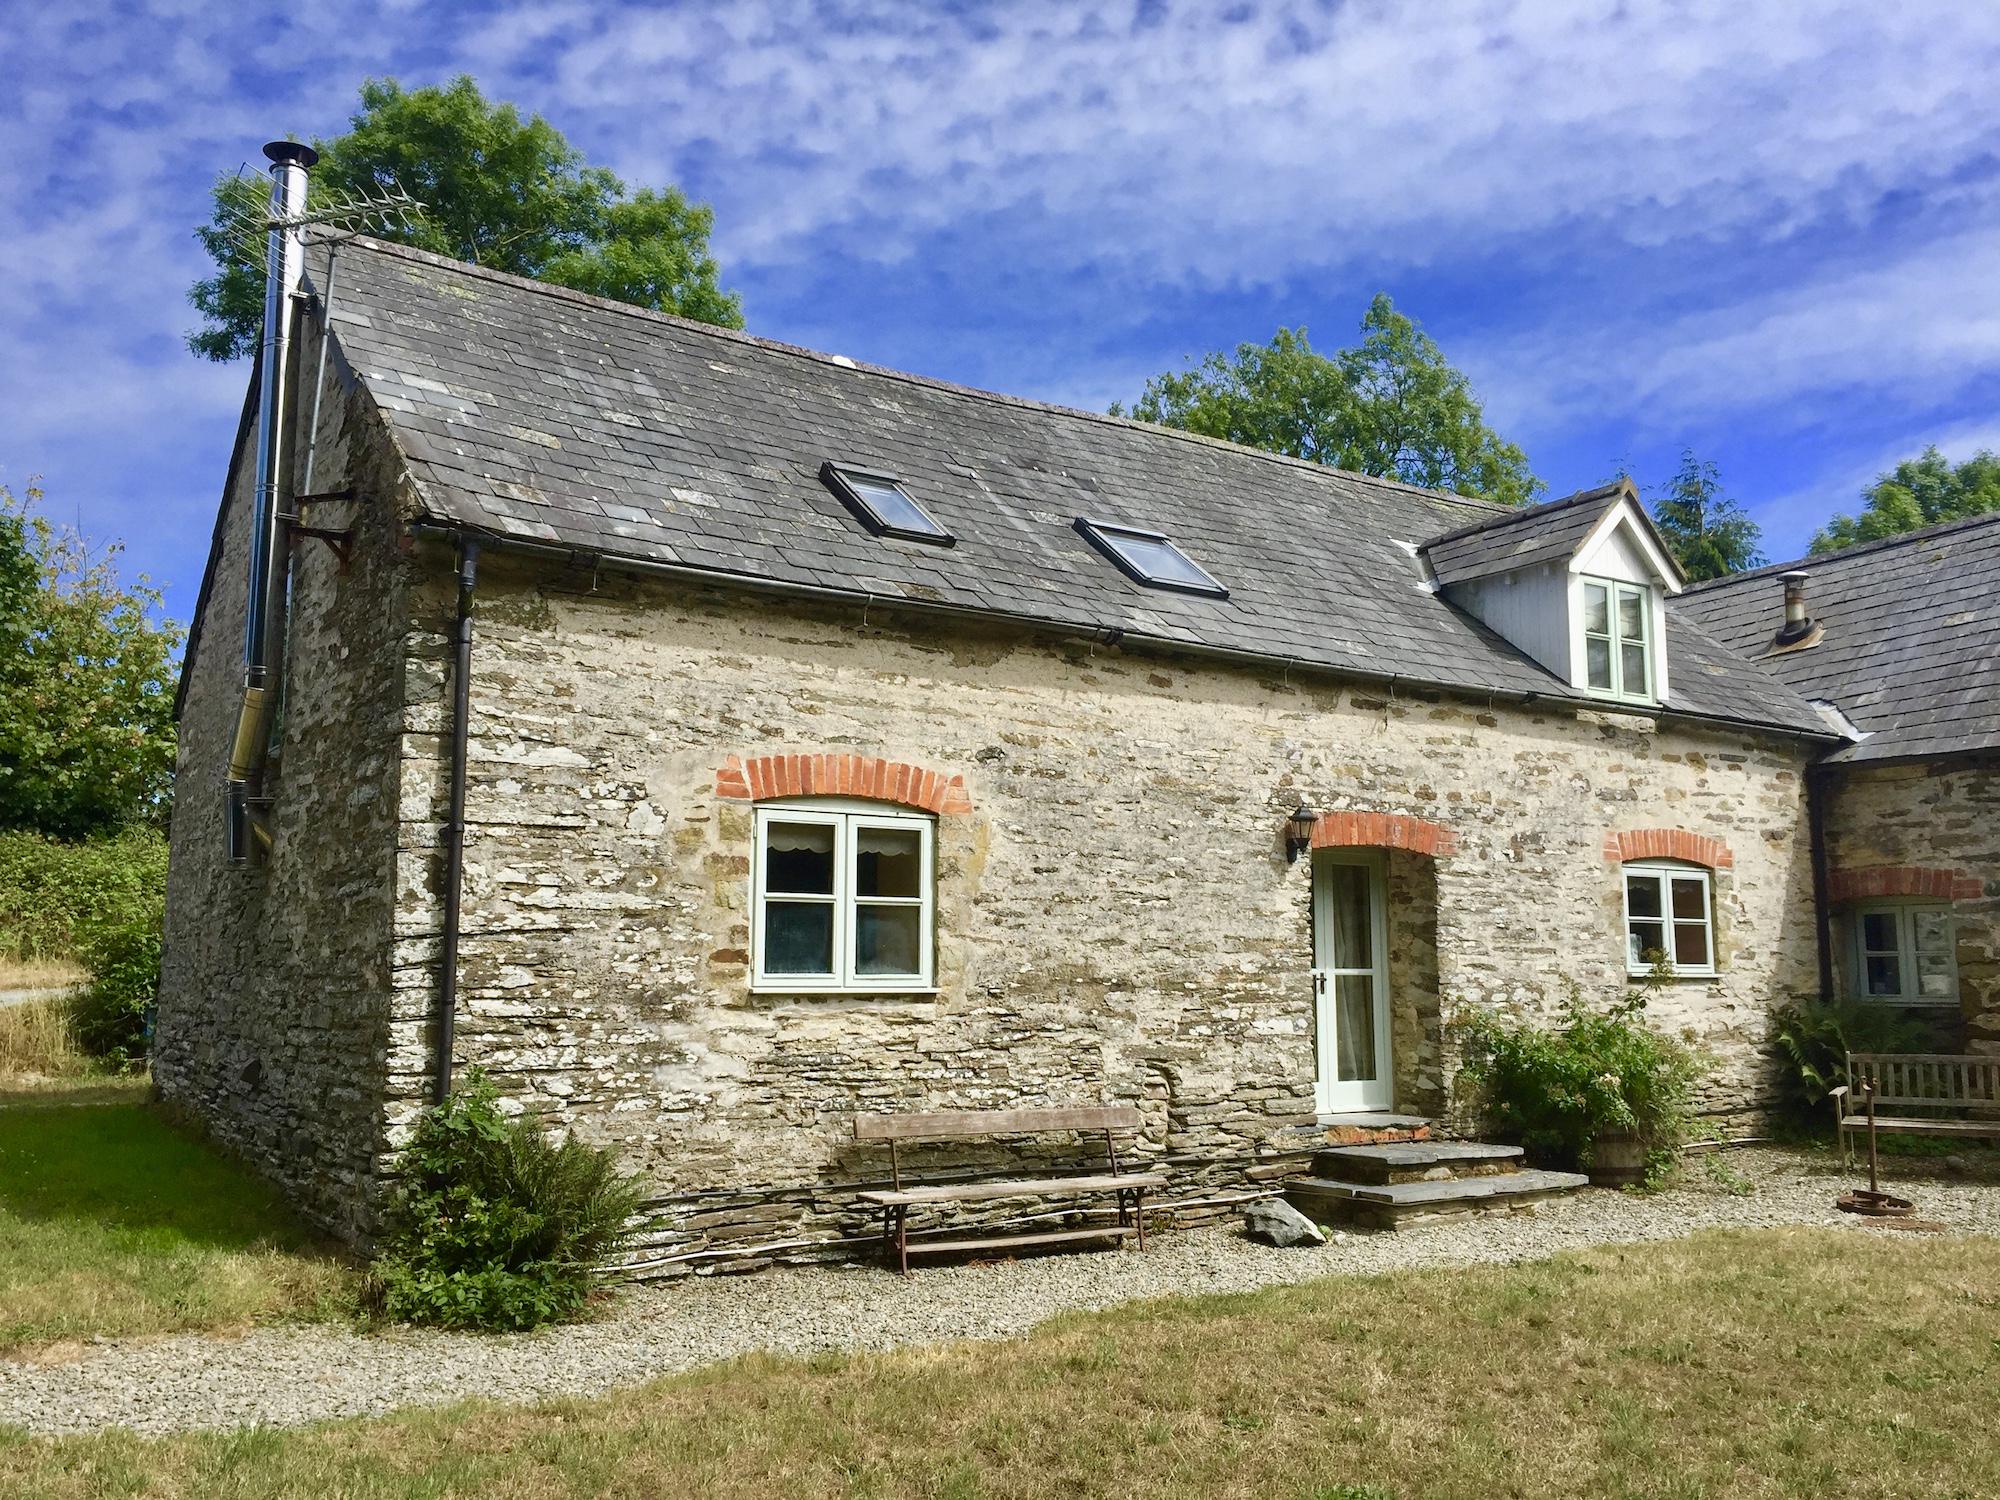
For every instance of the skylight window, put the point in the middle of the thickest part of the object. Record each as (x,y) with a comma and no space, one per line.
(884,506)
(1150,558)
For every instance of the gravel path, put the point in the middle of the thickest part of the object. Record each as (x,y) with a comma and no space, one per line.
(284,1376)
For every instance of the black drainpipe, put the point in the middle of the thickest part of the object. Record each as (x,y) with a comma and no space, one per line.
(454,828)
(1819,781)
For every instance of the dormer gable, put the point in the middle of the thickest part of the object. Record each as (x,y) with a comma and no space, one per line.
(1579,584)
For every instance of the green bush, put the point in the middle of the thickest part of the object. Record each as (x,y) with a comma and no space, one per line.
(1812,1042)
(109,1016)
(496,1226)
(1555,1090)
(52,893)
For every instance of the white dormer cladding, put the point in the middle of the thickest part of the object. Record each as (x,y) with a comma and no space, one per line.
(1595,549)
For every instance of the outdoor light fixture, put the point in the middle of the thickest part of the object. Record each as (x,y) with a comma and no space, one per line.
(1299,832)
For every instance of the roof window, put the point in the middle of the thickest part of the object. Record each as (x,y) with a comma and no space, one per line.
(884,506)
(1150,558)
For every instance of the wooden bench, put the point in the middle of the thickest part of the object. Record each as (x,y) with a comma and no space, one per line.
(964,1124)
(1943,1082)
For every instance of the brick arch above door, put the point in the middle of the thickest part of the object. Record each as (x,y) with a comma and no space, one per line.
(763,777)
(1374,830)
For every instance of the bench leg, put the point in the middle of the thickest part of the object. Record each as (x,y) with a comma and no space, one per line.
(903,1240)
(1139,1213)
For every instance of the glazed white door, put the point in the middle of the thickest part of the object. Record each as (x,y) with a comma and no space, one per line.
(1351,982)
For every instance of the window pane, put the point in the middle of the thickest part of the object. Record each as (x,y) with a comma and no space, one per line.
(1690,898)
(1878,931)
(1596,609)
(1933,931)
(1642,895)
(1632,667)
(798,858)
(1885,974)
(893,508)
(798,937)
(1644,942)
(1691,944)
(1597,661)
(1354,1018)
(1347,903)
(1632,614)
(886,940)
(888,862)
(1155,558)
(1934,978)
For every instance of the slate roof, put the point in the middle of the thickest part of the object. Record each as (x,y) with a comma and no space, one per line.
(1550,532)
(1910,642)
(537,415)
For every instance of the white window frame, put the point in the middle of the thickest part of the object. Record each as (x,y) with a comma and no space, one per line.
(1648,642)
(1663,872)
(1905,914)
(846,817)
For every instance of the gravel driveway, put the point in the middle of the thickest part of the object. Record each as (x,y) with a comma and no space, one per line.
(284,1376)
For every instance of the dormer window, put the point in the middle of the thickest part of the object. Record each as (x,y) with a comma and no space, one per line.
(1618,639)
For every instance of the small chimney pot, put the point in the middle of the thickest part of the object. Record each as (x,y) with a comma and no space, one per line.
(1798,624)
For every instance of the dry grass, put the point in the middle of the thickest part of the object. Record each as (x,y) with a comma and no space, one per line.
(1785,1363)
(112,1222)
(40,974)
(36,1045)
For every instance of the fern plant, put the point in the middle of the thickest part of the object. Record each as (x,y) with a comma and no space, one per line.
(1812,1041)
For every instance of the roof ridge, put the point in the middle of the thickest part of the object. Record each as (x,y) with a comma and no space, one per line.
(845,362)
(1526,512)
(1841,554)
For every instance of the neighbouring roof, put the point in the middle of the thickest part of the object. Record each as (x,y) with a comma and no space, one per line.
(1909,644)
(1533,534)
(533,414)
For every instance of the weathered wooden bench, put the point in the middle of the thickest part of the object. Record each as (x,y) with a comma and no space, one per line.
(964,1124)
(1944,1083)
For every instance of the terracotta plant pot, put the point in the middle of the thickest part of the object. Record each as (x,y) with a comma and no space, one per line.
(1617,1159)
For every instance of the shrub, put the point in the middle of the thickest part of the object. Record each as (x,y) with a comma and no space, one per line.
(1555,1090)
(496,1225)
(110,1016)
(1812,1042)
(52,893)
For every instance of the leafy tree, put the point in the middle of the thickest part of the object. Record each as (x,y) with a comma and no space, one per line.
(1918,492)
(1391,405)
(87,668)
(497,190)
(1710,533)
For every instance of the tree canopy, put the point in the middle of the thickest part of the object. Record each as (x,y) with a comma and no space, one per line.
(1710,533)
(1390,405)
(498,190)
(87,667)
(1918,492)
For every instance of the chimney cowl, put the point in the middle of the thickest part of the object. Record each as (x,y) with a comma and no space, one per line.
(291,153)
(1797,623)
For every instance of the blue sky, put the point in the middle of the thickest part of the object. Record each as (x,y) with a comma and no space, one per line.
(1768,231)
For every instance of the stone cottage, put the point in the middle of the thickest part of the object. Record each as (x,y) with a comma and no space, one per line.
(710,739)
(1903,637)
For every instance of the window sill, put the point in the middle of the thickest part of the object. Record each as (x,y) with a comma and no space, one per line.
(1898,1002)
(1685,976)
(845,992)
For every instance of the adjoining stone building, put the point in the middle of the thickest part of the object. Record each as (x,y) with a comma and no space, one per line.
(838,740)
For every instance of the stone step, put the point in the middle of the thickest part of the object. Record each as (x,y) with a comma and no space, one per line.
(1390,1205)
(1415,1161)
(1373,1127)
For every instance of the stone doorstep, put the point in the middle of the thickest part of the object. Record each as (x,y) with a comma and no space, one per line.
(1415,1161)
(1389,1205)
(1373,1127)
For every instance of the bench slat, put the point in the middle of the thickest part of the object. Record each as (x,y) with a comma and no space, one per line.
(1008,1242)
(972,1192)
(937,1124)
(1943,1080)
(1899,1126)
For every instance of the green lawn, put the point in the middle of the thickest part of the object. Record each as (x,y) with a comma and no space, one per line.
(113,1222)
(1800,1363)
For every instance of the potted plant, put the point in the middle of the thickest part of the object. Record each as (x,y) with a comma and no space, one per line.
(1600,1090)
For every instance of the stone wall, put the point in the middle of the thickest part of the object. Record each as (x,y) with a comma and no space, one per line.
(1116,918)
(274,979)
(1926,830)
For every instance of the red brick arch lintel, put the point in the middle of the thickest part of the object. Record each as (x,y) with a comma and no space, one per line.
(1374,830)
(1668,843)
(763,777)
(1861,882)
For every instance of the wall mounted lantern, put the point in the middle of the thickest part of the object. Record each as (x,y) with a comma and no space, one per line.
(1299,832)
